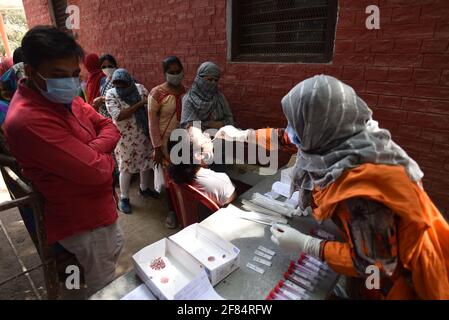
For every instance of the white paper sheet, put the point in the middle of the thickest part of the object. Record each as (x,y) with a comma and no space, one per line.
(140,293)
(198,289)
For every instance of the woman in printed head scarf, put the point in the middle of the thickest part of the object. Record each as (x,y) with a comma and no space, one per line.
(95,77)
(204,102)
(349,170)
(126,105)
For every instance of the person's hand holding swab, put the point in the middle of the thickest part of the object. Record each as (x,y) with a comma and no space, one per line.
(231,133)
(292,240)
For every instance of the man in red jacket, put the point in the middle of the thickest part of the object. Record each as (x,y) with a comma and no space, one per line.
(64,147)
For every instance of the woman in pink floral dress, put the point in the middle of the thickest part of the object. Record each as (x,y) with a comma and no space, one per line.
(126,103)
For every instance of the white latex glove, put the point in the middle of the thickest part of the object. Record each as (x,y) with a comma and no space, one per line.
(289,239)
(231,133)
(198,137)
(202,141)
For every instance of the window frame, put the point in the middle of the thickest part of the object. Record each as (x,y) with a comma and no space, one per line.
(234,38)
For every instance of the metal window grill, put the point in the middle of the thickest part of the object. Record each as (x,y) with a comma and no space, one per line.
(283,30)
(58,11)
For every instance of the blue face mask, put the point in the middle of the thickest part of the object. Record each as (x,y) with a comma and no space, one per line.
(61,90)
(292,136)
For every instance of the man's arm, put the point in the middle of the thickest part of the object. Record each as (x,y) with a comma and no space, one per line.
(107,133)
(54,149)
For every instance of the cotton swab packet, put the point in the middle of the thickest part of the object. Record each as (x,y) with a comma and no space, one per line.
(274,205)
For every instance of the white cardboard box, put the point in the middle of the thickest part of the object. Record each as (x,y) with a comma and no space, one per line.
(218,256)
(179,271)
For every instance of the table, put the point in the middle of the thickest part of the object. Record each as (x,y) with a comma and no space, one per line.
(244,283)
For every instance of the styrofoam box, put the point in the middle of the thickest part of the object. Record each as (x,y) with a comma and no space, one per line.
(180,268)
(218,256)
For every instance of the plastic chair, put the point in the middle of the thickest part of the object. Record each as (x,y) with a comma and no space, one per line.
(190,204)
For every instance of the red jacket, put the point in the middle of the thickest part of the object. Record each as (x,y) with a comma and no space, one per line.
(67,156)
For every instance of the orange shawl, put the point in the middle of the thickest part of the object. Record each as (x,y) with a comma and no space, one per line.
(423,233)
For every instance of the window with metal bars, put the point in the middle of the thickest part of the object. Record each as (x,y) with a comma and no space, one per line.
(283,30)
(58,11)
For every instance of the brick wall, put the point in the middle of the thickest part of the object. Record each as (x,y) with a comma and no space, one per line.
(401,70)
(37,12)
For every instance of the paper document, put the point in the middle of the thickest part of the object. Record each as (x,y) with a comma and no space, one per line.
(140,293)
(198,289)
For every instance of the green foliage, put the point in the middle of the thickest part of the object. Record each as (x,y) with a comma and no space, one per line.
(16,27)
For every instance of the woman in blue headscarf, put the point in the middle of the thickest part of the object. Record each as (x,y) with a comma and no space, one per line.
(204,102)
(126,103)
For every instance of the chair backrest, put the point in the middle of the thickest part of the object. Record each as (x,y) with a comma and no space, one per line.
(190,204)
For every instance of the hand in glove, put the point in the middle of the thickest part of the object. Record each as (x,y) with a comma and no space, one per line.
(289,239)
(231,133)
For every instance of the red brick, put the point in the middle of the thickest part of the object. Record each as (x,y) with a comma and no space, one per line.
(362,46)
(344,46)
(413,145)
(410,31)
(334,71)
(346,18)
(442,31)
(438,106)
(398,60)
(389,102)
(406,14)
(438,136)
(356,4)
(407,46)
(376,74)
(434,46)
(389,114)
(199,3)
(359,34)
(438,9)
(428,159)
(401,3)
(445,78)
(382,46)
(426,120)
(399,74)
(426,76)
(353,59)
(414,104)
(441,149)
(389,88)
(435,60)
(432,92)
(409,131)
(353,73)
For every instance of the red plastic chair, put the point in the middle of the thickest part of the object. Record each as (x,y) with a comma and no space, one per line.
(190,204)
